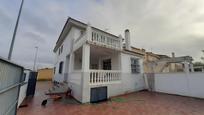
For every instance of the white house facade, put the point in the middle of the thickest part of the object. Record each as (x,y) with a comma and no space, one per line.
(95,64)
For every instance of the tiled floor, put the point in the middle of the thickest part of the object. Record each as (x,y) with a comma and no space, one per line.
(140,103)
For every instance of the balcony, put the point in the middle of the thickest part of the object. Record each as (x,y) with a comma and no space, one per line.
(105,40)
(99,38)
(98,77)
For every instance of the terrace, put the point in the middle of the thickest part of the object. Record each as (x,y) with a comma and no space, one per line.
(139,103)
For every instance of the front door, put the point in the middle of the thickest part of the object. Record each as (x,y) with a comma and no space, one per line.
(107,64)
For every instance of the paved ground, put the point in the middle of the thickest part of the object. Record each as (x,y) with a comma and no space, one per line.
(140,103)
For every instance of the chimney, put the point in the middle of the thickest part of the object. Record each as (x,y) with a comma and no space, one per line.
(127,39)
(173,55)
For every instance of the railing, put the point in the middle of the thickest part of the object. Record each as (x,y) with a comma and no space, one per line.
(104,77)
(104,39)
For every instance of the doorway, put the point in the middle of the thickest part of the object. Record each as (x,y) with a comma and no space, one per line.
(107,64)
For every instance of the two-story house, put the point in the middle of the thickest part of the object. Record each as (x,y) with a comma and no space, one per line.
(95,64)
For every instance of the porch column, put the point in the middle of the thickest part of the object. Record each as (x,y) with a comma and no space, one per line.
(85,73)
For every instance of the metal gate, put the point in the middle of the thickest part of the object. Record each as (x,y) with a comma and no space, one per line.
(31,84)
(10,80)
(98,94)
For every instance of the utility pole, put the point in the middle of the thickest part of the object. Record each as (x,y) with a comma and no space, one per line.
(36,53)
(15,30)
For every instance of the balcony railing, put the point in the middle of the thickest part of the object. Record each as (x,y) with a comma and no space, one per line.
(98,77)
(98,38)
(104,39)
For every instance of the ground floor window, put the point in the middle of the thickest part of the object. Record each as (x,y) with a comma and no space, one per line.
(61,67)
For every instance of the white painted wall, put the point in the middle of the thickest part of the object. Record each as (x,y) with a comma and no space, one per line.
(184,84)
(131,82)
(67,45)
(74,82)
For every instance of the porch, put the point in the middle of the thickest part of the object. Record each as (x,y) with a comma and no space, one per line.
(102,65)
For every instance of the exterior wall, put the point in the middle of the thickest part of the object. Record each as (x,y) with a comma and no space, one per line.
(74,82)
(67,46)
(45,74)
(131,82)
(77,61)
(186,84)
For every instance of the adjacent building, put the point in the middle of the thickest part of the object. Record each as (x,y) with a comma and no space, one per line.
(45,74)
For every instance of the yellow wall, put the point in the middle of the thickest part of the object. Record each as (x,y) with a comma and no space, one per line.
(45,74)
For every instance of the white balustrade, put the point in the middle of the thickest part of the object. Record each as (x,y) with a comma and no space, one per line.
(99,38)
(104,77)
(104,39)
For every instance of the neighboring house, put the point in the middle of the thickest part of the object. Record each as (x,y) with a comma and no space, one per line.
(45,74)
(162,63)
(95,64)
(157,63)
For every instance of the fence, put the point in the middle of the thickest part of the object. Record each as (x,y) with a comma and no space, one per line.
(185,84)
(10,80)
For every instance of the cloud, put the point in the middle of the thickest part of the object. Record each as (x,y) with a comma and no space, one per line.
(159,26)
(35,37)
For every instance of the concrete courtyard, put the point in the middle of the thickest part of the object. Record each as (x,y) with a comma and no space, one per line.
(138,103)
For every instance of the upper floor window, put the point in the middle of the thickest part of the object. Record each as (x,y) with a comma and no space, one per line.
(61,48)
(135,66)
(61,67)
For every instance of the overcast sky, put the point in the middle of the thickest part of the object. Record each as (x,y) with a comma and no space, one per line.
(160,26)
